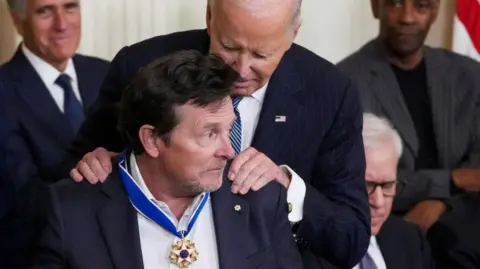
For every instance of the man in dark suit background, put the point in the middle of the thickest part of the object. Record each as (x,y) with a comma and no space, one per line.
(169,186)
(48,90)
(431,96)
(395,243)
(299,121)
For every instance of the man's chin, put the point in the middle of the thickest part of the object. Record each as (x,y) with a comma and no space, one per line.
(240,91)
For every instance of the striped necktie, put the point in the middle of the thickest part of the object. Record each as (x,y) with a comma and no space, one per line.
(367,262)
(236,132)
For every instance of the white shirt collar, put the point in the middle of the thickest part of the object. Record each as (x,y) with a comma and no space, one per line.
(46,71)
(373,242)
(259,94)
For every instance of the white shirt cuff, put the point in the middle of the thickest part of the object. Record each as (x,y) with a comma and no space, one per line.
(295,195)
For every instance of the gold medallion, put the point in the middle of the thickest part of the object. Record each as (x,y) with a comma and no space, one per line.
(183,253)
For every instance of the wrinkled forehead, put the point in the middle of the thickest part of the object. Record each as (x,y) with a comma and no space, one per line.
(220,112)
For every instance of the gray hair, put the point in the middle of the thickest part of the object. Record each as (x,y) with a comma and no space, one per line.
(377,130)
(17,6)
(261,8)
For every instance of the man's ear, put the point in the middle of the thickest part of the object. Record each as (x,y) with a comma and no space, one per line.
(150,141)
(375,5)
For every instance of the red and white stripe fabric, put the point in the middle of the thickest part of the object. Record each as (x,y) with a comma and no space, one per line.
(466,29)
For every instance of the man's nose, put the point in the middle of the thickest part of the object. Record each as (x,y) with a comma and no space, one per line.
(60,21)
(226,150)
(407,13)
(377,199)
(242,64)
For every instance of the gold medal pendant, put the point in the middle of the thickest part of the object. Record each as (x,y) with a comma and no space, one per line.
(183,253)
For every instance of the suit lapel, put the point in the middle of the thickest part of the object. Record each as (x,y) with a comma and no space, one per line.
(119,225)
(440,85)
(33,91)
(231,214)
(281,100)
(86,84)
(384,85)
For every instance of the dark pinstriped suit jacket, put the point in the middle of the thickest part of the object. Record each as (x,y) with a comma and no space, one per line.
(453,86)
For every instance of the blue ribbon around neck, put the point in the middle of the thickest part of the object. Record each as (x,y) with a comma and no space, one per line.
(148,208)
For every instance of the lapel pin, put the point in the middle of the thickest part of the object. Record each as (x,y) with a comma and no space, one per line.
(237,208)
(280,118)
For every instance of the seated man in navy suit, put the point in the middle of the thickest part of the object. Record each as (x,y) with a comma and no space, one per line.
(167,200)
(395,243)
(48,91)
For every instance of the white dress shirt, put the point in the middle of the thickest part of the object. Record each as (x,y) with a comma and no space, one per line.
(156,242)
(376,254)
(49,75)
(249,109)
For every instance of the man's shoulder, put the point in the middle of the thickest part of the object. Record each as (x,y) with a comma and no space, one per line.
(82,197)
(67,191)
(91,60)
(163,44)
(317,73)
(396,225)
(355,63)
(308,62)
(454,61)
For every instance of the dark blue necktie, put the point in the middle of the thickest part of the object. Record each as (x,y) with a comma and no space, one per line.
(72,108)
(236,132)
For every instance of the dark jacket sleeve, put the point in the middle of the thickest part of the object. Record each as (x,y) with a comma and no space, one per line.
(336,221)
(49,251)
(286,252)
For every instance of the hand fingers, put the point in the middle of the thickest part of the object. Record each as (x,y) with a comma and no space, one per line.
(97,168)
(239,160)
(257,176)
(75,175)
(249,172)
(104,157)
(87,173)
(263,180)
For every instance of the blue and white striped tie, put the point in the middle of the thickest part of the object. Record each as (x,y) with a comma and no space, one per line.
(367,262)
(236,132)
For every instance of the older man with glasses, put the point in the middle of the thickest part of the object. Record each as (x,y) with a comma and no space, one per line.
(394,243)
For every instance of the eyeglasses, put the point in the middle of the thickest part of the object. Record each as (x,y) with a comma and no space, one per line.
(388,188)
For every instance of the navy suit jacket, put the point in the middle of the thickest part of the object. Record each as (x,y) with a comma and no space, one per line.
(41,125)
(34,138)
(403,245)
(321,138)
(95,226)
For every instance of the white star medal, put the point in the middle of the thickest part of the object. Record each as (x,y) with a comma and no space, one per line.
(183,253)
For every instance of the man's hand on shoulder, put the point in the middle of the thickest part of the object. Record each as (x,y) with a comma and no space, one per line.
(252,170)
(95,166)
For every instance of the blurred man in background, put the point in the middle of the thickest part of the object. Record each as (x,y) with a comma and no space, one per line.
(395,243)
(50,88)
(432,98)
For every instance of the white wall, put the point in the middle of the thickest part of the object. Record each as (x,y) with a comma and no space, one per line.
(332,29)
